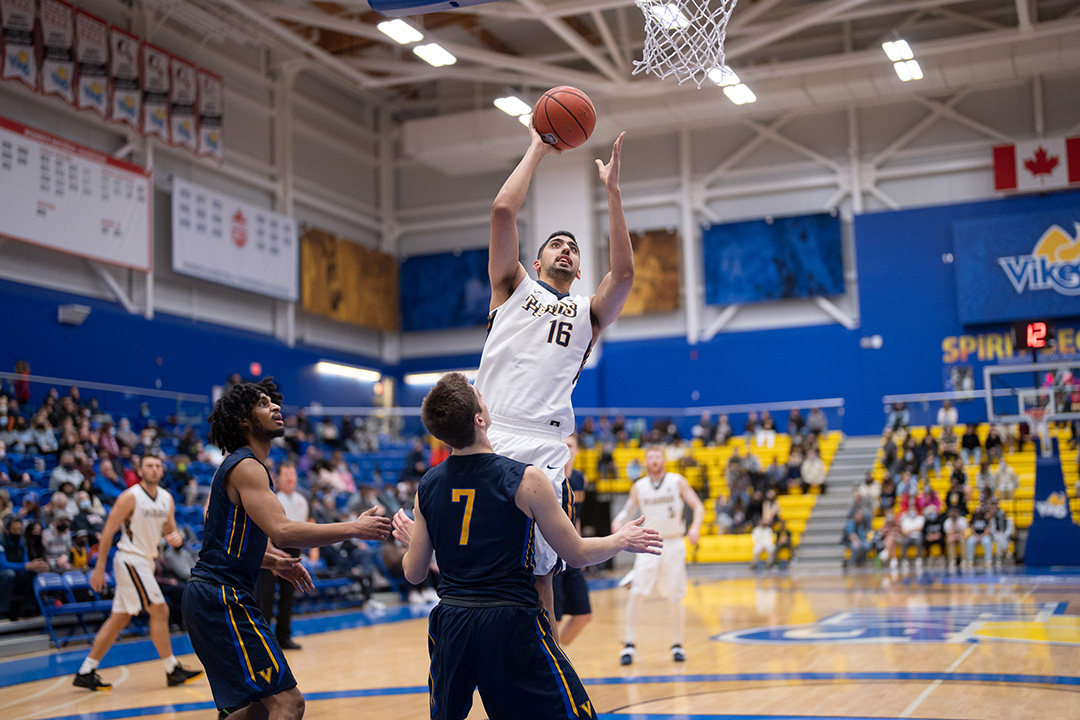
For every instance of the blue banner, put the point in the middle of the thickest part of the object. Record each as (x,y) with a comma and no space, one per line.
(1018,267)
(447,290)
(793,257)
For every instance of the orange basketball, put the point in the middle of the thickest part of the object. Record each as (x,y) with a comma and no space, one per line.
(564,117)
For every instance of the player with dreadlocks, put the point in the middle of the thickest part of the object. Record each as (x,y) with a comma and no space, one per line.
(252,680)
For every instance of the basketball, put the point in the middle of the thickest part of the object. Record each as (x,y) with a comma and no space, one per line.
(564,117)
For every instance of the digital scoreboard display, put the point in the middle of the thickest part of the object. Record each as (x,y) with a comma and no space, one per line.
(1032,335)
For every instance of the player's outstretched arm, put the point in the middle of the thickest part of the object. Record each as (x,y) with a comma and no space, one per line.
(121,511)
(417,558)
(504,265)
(615,288)
(629,510)
(536,498)
(248,481)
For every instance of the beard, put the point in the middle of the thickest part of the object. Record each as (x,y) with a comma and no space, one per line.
(267,434)
(561,273)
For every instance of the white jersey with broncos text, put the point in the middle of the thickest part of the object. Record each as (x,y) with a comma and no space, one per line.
(537,343)
(662,504)
(141,533)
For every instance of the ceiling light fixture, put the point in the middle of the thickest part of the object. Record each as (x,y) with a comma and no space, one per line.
(434,55)
(400,31)
(513,105)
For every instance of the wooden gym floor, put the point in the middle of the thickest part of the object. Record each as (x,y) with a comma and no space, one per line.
(867,645)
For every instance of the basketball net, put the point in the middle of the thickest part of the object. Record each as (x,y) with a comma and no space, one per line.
(684,38)
(1040,425)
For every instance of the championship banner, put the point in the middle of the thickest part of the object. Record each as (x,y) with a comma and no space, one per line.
(656,273)
(61,195)
(92,63)
(20,59)
(1037,165)
(58,60)
(345,281)
(230,242)
(211,112)
(155,84)
(124,78)
(182,104)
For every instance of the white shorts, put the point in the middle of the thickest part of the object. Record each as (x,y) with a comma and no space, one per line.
(547,452)
(666,571)
(136,588)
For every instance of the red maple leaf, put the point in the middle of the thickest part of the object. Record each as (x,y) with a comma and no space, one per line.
(1041,163)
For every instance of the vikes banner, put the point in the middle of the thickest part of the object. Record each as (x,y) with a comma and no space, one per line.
(92,68)
(656,273)
(182,105)
(211,112)
(124,78)
(58,38)
(20,60)
(156,83)
(227,241)
(345,281)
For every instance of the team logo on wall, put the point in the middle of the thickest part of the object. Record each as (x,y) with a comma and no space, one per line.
(959,624)
(1054,264)
(1056,506)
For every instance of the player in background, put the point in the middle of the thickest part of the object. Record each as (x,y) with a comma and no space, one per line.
(661,497)
(539,335)
(570,587)
(478,512)
(143,514)
(248,674)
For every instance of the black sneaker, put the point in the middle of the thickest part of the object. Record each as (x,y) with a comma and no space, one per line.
(179,675)
(90,681)
(678,654)
(627,655)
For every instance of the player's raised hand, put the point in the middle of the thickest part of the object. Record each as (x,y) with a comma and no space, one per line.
(290,568)
(370,526)
(609,174)
(403,525)
(541,146)
(638,539)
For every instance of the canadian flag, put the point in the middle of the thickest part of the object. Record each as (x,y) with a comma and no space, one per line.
(1037,164)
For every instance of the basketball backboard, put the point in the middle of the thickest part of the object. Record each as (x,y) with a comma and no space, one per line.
(404,8)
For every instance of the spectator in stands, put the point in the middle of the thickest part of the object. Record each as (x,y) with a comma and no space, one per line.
(754,507)
(775,477)
(327,433)
(56,538)
(763,542)
(813,473)
(1006,481)
(856,534)
(750,428)
(365,498)
(796,424)
(907,482)
(794,469)
(889,451)
(783,542)
(933,533)
(911,530)
(12,436)
(888,492)
(17,570)
(817,422)
(867,496)
(994,445)
(770,508)
(79,553)
(971,446)
(125,436)
(947,415)
(587,433)
(1002,529)
(956,526)
(957,497)
(910,458)
(931,457)
(929,498)
(6,509)
(59,507)
(107,482)
(88,518)
(296,509)
(392,554)
(984,478)
(704,430)
(950,444)
(724,430)
(634,470)
(736,511)
(766,431)
(899,417)
(885,539)
(979,534)
(43,438)
(416,463)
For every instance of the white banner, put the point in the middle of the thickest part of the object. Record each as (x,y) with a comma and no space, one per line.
(124,78)
(155,84)
(20,58)
(64,196)
(58,59)
(92,57)
(182,105)
(211,113)
(224,240)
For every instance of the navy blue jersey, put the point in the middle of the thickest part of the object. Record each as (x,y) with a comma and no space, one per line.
(576,481)
(482,540)
(233,546)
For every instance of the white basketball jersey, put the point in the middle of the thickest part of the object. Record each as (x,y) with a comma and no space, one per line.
(537,344)
(662,505)
(141,532)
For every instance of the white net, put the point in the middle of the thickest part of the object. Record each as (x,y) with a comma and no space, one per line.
(684,38)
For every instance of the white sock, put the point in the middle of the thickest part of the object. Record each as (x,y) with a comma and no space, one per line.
(170,663)
(88,665)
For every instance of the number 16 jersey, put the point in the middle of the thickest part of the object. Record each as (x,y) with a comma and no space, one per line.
(537,344)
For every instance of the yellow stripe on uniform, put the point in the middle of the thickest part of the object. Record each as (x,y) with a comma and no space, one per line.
(236,630)
(561,677)
(257,632)
(137,582)
(243,532)
(228,546)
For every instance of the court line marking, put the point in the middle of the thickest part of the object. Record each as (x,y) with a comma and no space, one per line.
(43,691)
(124,673)
(934,685)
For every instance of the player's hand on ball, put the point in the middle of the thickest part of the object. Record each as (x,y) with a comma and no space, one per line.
(290,568)
(403,528)
(369,526)
(640,539)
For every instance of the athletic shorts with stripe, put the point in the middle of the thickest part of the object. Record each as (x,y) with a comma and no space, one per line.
(241,656)
(508,653)
(136,588)
(548,452)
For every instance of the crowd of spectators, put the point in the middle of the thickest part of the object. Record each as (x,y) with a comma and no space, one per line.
(64,461)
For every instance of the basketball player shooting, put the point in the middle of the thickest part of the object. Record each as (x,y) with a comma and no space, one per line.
(539,335)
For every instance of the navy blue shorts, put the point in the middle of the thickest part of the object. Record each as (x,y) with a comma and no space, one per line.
(232,640)
(571,592)
(508,653)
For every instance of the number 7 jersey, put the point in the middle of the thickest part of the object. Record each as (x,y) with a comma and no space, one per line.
(537,344)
